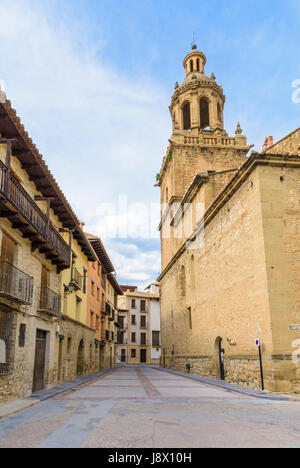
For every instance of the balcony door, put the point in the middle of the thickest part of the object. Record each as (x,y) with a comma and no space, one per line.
(143,356)
(8,249)
(44,286)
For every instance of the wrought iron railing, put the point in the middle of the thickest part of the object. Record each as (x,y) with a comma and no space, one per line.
(15,284)
(76,278)
(26,206)
(50,302)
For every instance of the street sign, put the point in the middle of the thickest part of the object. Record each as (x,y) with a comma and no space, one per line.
(257,342)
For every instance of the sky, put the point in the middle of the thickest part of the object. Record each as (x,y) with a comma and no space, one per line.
(92,81)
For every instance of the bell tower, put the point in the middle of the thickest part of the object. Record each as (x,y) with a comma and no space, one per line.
(199,143)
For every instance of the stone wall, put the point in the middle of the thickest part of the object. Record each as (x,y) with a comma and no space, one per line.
(242,284)
(289,144)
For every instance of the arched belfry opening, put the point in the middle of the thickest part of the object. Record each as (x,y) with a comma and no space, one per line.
(186,114)
(204,113)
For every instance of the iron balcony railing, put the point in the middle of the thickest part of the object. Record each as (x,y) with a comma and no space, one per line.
(76,278)
(15,285)
(17,196)
(50,302)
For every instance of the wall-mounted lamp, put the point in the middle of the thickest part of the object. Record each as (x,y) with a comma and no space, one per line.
(69,289)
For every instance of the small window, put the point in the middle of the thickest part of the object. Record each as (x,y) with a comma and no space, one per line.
(133,320)
(133,304)
(186,111)
(22,335)
(84,281)
(192,65)
(133,337)
(143,306)
(133,353)
(143,321)
(155,338)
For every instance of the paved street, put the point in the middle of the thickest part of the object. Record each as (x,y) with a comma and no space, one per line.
(137,407)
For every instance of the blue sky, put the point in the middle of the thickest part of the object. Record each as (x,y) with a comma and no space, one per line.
(92,81)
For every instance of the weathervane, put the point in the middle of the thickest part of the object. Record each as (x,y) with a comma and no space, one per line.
(194,46)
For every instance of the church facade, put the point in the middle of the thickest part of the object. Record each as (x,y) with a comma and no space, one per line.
(230,241)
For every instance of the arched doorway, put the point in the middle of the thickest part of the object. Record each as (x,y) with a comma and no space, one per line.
(220,357)
(80,358)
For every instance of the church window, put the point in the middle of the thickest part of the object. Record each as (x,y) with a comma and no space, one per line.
(204,113)
(186,116)
(192,65)
(198,65)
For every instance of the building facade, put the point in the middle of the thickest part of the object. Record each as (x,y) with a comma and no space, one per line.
(46,337)
(139,342)
(102,310)
(230,245)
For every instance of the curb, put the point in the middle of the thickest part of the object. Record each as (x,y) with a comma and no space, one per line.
(231,387)
(45,395)
(15,406)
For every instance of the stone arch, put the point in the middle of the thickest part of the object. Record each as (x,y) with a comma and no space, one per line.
(186,115)
(204,112)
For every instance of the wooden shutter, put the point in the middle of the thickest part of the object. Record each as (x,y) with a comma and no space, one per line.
(8,249)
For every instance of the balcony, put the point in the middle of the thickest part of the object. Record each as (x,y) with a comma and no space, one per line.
(76,279)
(25,215)
(15,285)
(50,302)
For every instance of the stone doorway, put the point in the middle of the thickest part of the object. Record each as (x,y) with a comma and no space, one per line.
(80,358)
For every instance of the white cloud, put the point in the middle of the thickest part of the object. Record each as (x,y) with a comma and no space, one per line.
(101,133)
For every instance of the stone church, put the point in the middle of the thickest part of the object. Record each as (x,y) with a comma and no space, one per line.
(230,241)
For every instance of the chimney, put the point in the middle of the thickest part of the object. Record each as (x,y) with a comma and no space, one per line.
(269,141)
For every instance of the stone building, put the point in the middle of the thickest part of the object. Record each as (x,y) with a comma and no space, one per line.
(36,255)
(103,292)
(230,244)
(135,338)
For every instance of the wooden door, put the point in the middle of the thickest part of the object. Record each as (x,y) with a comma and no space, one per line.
(123,355)
(39,362)
(143,354)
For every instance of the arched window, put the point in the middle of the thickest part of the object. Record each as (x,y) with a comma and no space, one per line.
(182,281)
(204,113)
(192,65)
(186,116)
(198,65)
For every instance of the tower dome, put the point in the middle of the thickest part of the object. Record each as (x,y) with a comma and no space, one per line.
(198,103)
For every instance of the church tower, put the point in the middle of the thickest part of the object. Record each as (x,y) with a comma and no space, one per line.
(199,142)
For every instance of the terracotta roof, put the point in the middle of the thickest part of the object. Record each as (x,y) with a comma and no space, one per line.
(101,252)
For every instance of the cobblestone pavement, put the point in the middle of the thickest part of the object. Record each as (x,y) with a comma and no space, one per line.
(137,407)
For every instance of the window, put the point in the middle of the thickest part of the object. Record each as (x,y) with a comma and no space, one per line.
(98,293)
(190,317)
(133,353)
(192,65)
(22,335)
(133,304)
(198,65)
(143,306)
(133,320)
(143,321)
(204,113)
(69,345)
(155,338)
(133,337)
(143,338)
(186,111)
(84,281)
(93,287)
